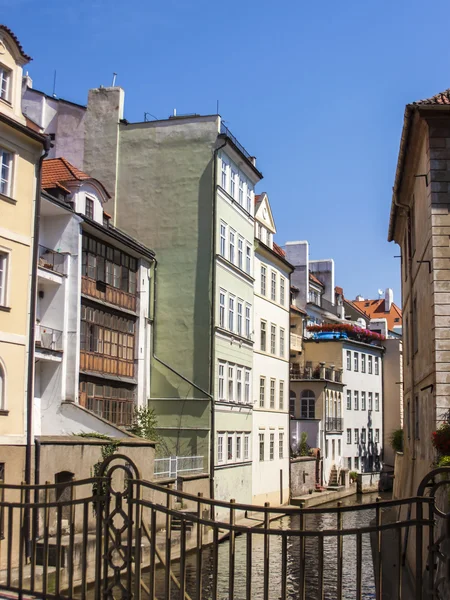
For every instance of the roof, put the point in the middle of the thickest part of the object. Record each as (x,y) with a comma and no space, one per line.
(440,98)
(353,305)
(313,278)
(339,290)
(15,38)
(375,310)
(257,198)
(299,310)
(279,250)
(58,171)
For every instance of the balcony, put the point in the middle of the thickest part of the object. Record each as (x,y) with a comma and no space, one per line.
(107,293)
(296,342)
(225,131)
(51,260)
(334,424)
(319,372)
(48,338)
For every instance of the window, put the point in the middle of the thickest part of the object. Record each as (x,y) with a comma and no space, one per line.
(272,393)
(349,436)
(5,172)
(339,448)
(356,436)
(349,400)
(370,359)
(377,435)
(2,388)
(273,286)
(281,398)
(222,308)
(89,210)
(2,499)
(102,332)
(408,419)
(231,384)
(241,253)
(363,400)
(248,260)
(292,399)
(220,447)
(249,199)
(239,317)
(231,254)
(356,360)
(363,363)
(231,313)
(239,385)
(357,463)
(112,402)
(246,446)
(363,435)
(282,291)
(241,192)
(262,391)
(247,386)
(272,446)
(356,400)
(370,435)
(238,446)
(233,183)
(349,463)
(377,366)
(308,405)
(224,175)
(221,381)
(263,280)
(223,239)
(107,264)
(273,338)
(349,360)
(377,401)
(229,447)
(263,335)
(280,444)
(247,321)
(406,343)
(261,446)
(281,342)
(5,83)
(417,418)
(370,401)
(3,277)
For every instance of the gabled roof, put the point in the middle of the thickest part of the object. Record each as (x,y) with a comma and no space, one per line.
(58,171)
(278,250)
(438,99)
(374,309)
(314,279)
(16,40)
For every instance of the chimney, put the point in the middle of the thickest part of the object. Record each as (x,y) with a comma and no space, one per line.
(359,298)
(388,299)
(27,82)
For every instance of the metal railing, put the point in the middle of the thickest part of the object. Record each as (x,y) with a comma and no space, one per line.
(225,131)
(48,338)
(299,372)
(334,424)
(118,536)
(54,261)
(173,466)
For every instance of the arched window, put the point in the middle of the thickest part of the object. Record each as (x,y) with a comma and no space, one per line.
(2,387)
(292,399)
(308,405)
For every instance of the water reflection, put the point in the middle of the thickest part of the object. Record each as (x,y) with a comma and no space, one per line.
(329,572)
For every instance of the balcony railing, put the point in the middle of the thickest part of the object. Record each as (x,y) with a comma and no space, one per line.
(225,131)
(296,342)
(108,293)
(173,466)
(298,373)
(48,338)
(334,424)
(51,260)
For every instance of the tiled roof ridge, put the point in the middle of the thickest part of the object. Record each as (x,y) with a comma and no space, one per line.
(315,279)
(279,250)
(16,39)
(440,98)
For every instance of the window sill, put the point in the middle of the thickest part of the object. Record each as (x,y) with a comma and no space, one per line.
(5,308)
(8,199)
(4,413)
(7,102)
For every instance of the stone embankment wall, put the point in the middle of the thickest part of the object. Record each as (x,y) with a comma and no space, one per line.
(303,475)
(368,482)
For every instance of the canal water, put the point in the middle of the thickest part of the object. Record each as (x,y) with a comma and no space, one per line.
(321,521)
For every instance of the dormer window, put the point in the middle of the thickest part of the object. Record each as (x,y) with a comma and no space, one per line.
(89,211)
(5,83)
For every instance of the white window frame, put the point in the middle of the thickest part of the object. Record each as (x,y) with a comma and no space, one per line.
(349,436)
(240,304)
(356,399)
(247,386)
(3,386)
(363,362)
(248,259)
(272,393)
(238,384)
(5,83)
(230,447)
(271,445)
(221,386)
(246,446)
(377,436)
(377,402)
(231,304)
(282,291)
(222,300)
(273,286)
(370,365)
(281,394)
(220,439)
(7,189)
(261,446)
(263,280)
(238,446)
(356,361)
(349,360)
(249,199)
(363,400)
(230,383)
(223,239)
(263,330)
(370,401)
(223,180)
(377,365)
(233,183)
(349,399)
(231,246)
(281,444)
(248,321)
(282,338)
(262,392)
(240,253)
(356,434)
(5,268)
(241,192)
(273,338)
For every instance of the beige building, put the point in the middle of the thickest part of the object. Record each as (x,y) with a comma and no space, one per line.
(21,149)
(420,224)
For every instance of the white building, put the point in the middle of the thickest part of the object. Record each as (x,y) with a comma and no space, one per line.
(270,362)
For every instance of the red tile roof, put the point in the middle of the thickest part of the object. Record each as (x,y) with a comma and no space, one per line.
(278,250)
(339,290)
(257,197)
(312,277)
(441,98)
(299,310)
(19,45)
(375,310)
(57,171)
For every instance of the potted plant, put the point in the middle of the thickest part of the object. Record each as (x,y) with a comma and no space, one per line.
(396,440)
(441,439)
(353,476)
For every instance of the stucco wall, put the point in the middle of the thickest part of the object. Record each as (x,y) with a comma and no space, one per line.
(392,394)
(303,475)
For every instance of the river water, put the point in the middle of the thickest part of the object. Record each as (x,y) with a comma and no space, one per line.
(321,521)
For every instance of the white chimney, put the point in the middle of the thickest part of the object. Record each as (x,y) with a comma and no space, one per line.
(388,299)
(359,298)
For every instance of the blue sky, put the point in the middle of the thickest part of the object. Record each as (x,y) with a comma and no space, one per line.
(316,90)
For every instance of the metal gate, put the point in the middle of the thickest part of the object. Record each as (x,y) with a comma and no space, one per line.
(117,536)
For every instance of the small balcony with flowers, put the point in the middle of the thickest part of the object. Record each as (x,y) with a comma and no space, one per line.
(342,332)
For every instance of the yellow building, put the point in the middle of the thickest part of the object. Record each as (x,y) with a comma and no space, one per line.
(21,149)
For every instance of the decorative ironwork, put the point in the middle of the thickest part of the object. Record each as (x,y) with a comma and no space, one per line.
(135,543)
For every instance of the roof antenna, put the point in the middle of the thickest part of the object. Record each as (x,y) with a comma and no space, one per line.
(54,84)
(114,80)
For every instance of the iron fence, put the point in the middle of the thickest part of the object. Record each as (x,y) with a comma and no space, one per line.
(118,536)
(172,466)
